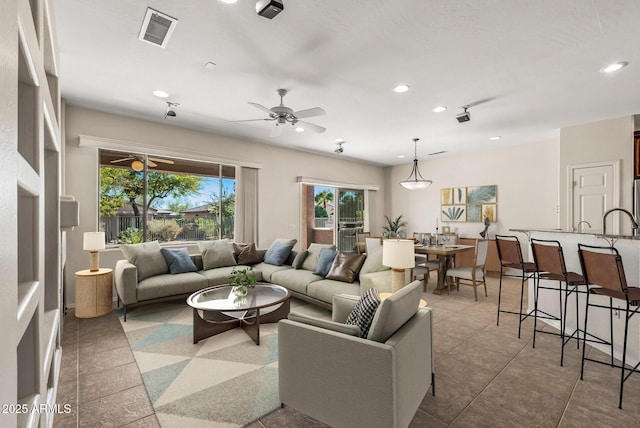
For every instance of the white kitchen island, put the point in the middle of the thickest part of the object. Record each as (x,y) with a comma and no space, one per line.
(629,249)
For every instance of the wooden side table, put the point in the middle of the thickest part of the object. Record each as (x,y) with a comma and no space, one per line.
(94,293)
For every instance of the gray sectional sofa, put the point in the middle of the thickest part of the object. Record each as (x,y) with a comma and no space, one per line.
(145,276)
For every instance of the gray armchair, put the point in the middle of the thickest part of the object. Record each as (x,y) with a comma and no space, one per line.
(329,373)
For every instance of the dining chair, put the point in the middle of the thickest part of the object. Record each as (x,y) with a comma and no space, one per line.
(424,265)
(373,243)
(361,244)
(510,255)
(549,260)
(603,272)
(471,275)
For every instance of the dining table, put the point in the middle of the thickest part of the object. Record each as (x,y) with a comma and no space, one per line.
(445,255)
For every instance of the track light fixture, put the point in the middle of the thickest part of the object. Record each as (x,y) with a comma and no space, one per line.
(339,149)
(464,116)
(170,109)
(415,181)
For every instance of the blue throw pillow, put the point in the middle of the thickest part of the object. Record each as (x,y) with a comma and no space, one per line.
(325,260)
(278,254)
(178,260)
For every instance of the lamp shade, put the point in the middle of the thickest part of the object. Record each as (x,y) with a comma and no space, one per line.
(398,253)
(93,241)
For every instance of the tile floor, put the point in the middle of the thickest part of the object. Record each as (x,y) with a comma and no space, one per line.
(485,375)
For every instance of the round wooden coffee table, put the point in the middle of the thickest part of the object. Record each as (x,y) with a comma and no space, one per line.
(218,309)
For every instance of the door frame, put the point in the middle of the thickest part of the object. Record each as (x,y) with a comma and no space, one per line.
(615,164)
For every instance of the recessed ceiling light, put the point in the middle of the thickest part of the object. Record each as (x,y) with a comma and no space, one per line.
(228,1)
(614,67)
(339,140)
(161,94)
(439,109)
(497,137)
(401,88)
(401,156)
(299,129)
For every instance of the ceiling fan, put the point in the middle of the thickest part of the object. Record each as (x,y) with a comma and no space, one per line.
(137,161)
(282,115)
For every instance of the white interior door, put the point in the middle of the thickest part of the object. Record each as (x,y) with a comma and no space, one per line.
(593,189)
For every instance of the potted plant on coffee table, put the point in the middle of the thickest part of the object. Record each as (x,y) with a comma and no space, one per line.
(241,280)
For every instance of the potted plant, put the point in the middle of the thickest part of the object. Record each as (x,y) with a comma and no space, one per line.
(394,227)
(241,280)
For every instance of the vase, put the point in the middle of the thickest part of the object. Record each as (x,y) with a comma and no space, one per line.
(240,290)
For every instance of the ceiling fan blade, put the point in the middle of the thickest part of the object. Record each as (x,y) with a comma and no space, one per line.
(120,160)
(261,107)
(310,112)
(169,161)
(312,127)
(249,120)
(276,131)
(151,163)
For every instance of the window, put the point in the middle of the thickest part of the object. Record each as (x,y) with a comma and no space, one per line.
(184,200)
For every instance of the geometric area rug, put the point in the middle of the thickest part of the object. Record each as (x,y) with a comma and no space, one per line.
(224,381)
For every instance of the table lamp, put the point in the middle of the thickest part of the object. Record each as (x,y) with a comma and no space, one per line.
(92,242)
(398,255)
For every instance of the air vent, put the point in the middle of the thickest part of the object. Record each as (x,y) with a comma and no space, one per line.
(437,153)
(157,28)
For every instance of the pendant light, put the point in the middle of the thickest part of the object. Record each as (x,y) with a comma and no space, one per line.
(415,180)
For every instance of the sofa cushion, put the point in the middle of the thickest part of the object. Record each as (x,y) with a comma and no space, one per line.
(325,289)
(294,280)
(178,260)
(327,255)
(311,261)
(147,258)
(352,330)
(266,270)
(345,267)
(169,285)
(286,241)
(216,254)
(299,259)
(364,311)
(278,253)
(373,263)
(394,311)
(221,275)
(246,254)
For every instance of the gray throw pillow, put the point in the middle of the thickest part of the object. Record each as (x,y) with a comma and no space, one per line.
(278,254)
(216,254)
(373,263)
(311,262)
(327,255)
(364,311)
(178,260)
(299,259)
(147,258)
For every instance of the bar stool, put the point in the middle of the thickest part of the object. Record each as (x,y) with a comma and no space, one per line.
(549,260)
(604,274)
(510,255)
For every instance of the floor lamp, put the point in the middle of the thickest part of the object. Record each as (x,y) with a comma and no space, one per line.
(398,254)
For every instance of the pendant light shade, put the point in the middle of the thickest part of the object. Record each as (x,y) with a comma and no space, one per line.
(415,181)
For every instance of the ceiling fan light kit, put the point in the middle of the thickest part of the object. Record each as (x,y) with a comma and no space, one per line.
(415,181)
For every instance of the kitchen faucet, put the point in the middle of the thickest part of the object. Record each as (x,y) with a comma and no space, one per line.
(580,224)
(634,223)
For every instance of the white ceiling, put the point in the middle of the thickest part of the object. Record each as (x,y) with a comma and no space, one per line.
(527,68)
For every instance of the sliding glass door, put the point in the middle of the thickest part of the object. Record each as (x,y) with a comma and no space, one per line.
(350,215)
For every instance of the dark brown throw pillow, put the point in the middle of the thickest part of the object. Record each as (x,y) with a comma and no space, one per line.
(246,254)
(345,267)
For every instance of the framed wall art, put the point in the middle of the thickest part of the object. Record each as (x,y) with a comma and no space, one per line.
(469,204)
